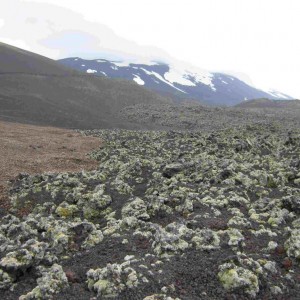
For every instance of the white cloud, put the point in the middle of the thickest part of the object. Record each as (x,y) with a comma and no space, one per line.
(258,38)
(61,33)
(17,43)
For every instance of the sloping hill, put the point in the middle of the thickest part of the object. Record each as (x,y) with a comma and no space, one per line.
(38,90)
(15,60)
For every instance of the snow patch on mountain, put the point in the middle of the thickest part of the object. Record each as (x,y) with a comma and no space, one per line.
(185,74)
(175,76)
(122,63)
(277,94)
(90,71)
(152,73)
(203,77)
(138,80)
(127,63)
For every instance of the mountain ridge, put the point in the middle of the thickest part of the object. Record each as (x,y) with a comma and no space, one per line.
(180,81)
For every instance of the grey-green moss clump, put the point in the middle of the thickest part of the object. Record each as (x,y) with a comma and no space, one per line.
(292,244)
(5,280)
(51,282)
(111,280)
(238,278)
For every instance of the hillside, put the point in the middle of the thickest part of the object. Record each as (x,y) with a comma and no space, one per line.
(267,103)
(38,90)
(15,60)
(176,79)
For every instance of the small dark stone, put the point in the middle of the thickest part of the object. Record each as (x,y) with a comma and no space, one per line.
(225,174)
(291,203)
(287,263)
(295,163)
(279,250)
(172,169)
(72,277)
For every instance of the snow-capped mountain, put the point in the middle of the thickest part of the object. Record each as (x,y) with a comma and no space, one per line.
(180,81)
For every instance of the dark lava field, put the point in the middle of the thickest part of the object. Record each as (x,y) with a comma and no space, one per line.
(166,215)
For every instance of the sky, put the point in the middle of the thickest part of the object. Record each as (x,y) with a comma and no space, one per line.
(254,39)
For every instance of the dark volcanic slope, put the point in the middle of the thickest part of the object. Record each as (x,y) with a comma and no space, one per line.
(15,60)
(38,90)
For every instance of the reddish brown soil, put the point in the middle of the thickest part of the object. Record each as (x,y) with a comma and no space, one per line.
(33,149)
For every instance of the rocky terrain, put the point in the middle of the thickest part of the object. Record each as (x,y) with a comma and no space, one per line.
(267,103)
(192,116)
(175,214)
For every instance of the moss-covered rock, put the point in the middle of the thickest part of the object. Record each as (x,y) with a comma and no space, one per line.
(292,244)
(110,281)
(6,280)
(51,282)
(65,210)
(136,208)
(206,239)
(235,278)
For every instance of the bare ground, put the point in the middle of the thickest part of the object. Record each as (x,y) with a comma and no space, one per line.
(33,149)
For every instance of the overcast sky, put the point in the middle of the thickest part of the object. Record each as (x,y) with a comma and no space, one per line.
(257,37)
